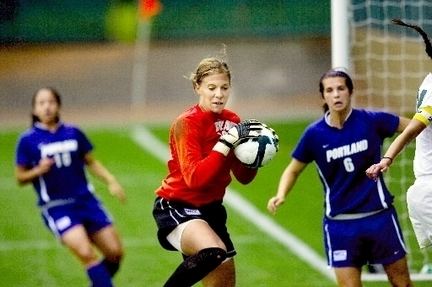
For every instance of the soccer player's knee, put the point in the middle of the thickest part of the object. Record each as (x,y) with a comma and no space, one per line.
(212,256)
(85,254)
(196,267)
(115,256)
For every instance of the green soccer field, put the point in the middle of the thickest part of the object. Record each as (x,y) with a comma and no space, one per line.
(277,251)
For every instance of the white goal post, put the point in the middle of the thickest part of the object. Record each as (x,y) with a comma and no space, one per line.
(387,63)
(340,46)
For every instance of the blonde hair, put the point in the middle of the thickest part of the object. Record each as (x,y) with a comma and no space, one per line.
(209,66)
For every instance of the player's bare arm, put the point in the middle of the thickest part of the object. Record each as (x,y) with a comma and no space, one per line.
(403,123)
(99,170)
(287,181)
(26,175)
(414,128)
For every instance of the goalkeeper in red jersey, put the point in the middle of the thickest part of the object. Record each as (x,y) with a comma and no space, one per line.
(188,209)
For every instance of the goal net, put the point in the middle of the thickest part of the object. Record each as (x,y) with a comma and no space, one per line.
(388,63)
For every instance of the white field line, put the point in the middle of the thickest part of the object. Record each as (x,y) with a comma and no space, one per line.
(233,199)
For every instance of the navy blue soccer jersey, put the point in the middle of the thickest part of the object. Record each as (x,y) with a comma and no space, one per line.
(67,146)
(343,155)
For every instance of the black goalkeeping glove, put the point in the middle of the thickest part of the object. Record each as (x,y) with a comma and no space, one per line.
(243,130)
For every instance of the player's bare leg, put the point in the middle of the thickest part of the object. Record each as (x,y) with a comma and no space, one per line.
(191,243)
(348,276)
(222,276)
(398,273)
(108,242)
(77,241)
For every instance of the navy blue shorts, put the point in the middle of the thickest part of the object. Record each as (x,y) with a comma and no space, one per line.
(169,214)
(61,215)
(376,239)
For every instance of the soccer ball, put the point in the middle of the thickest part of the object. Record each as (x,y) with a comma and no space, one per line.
(258,151)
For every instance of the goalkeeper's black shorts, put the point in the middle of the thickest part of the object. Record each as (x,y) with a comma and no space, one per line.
(168,214)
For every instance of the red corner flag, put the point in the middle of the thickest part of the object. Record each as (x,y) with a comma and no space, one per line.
(149,8)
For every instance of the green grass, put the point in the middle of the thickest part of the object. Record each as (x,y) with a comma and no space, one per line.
(30,256)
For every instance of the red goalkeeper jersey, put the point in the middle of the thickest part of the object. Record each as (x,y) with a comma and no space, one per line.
(197,174)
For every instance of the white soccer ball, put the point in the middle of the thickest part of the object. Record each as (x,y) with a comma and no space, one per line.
(258,151)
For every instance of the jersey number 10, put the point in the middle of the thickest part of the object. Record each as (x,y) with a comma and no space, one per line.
(62,159)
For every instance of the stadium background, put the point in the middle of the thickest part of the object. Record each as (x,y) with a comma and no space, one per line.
(276,49)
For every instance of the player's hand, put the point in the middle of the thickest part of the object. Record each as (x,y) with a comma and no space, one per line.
(240,131)
(44,165)
(245,129)
(117,190)
(374,170)
(274,203)
(249,128)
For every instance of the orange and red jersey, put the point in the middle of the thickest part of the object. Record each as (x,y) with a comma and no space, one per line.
(197,174)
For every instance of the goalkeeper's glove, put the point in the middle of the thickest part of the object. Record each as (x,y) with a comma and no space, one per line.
(243,130)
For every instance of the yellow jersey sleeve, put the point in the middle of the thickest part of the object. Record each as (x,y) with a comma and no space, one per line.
(424,114)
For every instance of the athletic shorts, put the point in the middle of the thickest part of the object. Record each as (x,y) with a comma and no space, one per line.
(375,239)
(419,201)
(168,214)
(61,215)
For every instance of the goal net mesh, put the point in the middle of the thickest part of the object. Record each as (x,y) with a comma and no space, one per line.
(388,63)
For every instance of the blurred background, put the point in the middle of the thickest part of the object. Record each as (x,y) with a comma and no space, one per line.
(123,60)
(117,62)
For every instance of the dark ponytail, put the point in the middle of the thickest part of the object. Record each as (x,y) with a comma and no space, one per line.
(420,31)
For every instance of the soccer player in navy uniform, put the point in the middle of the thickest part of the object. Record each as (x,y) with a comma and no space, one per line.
(360,223)
(188,209)
(52,155)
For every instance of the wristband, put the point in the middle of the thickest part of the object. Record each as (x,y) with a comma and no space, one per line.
(222,147)
(387,157)
(227,143)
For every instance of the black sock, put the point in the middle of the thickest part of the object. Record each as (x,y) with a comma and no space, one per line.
(196,267)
